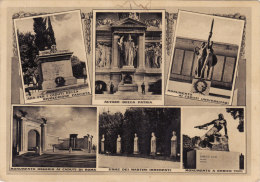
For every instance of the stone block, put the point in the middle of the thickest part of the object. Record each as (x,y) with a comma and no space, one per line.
(208,159)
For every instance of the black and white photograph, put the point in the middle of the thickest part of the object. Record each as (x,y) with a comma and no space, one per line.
(128,56)
(139,138)
(205,57)
(52,56)
(214,139)
(54,136)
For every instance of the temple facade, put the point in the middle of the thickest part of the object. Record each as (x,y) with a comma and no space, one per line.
(128,52)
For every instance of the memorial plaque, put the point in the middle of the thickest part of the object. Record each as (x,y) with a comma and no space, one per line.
(52,70)
(207,159)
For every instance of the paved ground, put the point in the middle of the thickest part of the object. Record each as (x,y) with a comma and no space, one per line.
(134,162)
(56,159)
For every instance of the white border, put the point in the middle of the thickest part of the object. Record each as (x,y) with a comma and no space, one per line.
(70,106)
(121,102)
(172,54)
(18,51)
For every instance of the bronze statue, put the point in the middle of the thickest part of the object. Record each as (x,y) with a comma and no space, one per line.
(213,136)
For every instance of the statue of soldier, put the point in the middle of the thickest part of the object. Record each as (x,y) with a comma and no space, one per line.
(218,124)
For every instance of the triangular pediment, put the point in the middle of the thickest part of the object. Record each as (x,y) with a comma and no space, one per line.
(129,22)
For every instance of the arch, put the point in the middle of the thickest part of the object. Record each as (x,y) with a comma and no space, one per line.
(33,140)
(100,87)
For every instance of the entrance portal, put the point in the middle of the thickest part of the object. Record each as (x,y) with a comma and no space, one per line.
(33,140)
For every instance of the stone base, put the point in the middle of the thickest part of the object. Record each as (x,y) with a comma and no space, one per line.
(128,88)
(50,84)
(128,68)
(208,159)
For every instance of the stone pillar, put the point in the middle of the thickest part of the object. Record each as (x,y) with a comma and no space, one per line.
(136,147)
(85,142)
(174,145)
(21,136)
(118,145)
(153,144)
(115,53)
(43,137)
(103,144)
(141,51)
(90,143)
(73,141)
(18,137)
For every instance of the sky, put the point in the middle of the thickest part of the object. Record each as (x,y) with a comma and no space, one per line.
(67,29)
(197,26)
(62,121)
(192,117)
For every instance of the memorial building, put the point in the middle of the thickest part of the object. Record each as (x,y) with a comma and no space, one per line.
(128,53)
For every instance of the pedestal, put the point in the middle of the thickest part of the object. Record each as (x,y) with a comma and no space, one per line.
(55,70)
(153,147)
(136,148)
(208,159)
(174,148)
(102,146)
(118,147)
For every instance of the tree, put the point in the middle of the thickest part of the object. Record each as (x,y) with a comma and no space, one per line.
(28,51)
(44,34)
(237,113)
(142,121)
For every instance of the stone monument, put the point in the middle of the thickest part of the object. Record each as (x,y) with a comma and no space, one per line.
(153,144)
(174,145)
(136,147)
(121,53)
(211,151)
(103,144)
(118,145)
(55,69)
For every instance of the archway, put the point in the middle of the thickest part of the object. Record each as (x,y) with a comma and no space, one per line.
(33,140)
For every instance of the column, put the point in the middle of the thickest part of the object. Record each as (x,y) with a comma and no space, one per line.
(89,144)
(115,53)
(141,51)
(174,145)
(21,137)
(70,144)
(76,141)
(43,137)
(85,142)
(18,143)
(103,144)
(90,147)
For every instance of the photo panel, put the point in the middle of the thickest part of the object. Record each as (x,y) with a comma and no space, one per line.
(205,57)
(139,139)
(128,57)
(52,56)
(214,139)
(53,138)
